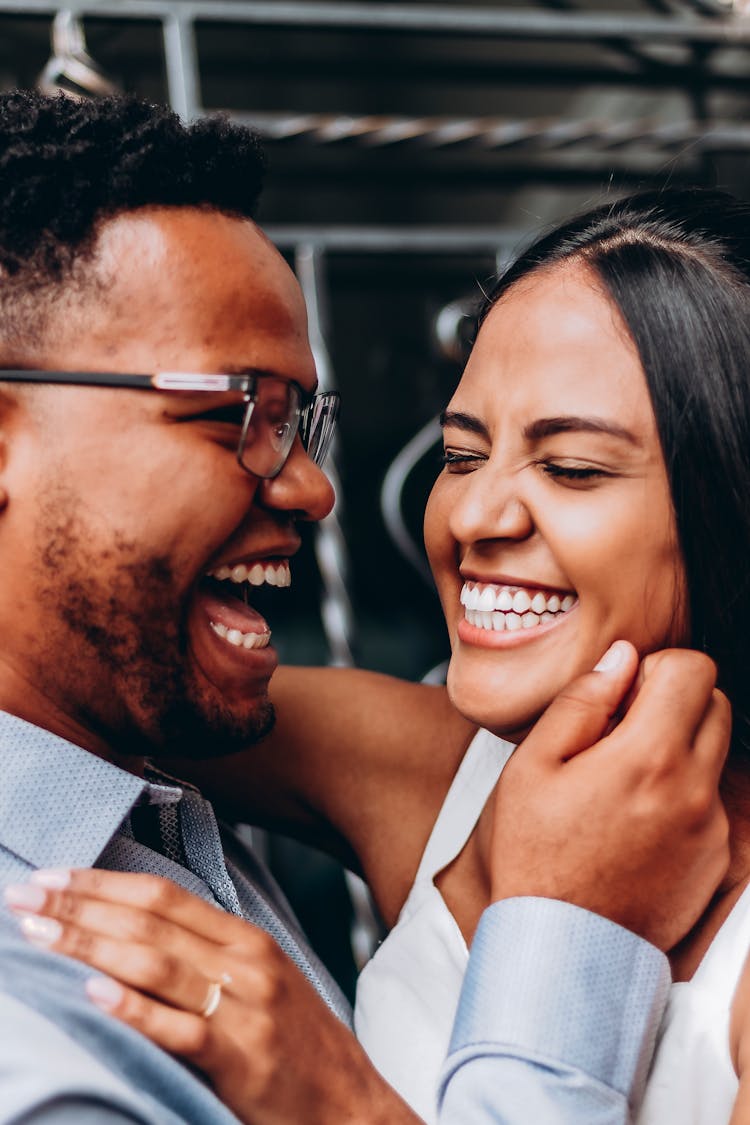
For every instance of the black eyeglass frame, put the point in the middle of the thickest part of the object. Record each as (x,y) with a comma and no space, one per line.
(310,408)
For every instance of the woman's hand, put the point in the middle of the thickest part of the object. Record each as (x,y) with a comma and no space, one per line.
(272,1050)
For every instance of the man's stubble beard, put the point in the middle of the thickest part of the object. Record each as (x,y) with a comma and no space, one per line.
(115,655)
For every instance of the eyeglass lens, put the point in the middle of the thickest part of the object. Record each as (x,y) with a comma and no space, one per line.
(273,417)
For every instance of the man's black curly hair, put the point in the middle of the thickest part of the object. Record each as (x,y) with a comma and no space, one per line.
(65,165)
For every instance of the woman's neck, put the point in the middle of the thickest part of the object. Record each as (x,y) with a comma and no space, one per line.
(735,793)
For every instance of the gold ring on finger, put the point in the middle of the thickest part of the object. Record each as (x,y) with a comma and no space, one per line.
(213,996)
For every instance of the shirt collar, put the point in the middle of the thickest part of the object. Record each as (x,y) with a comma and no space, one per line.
(61,805)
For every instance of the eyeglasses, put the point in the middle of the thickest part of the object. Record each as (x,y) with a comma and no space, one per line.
(274,410)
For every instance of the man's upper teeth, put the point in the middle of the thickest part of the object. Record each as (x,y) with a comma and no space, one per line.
(488,598)
(257,574)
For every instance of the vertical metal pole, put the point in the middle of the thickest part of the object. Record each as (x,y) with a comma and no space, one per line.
(330,547)
(333,562)
(181,59)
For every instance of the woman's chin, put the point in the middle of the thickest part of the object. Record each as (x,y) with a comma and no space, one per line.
(498,710)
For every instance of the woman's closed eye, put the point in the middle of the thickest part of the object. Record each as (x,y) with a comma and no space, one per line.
(570,472)
(461,460)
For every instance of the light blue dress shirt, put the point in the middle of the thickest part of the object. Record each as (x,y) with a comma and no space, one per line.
(557,1020)
(64,1062)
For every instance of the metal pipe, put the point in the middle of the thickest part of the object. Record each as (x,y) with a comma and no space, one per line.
(427,19)
(391,494)
(496,133)
(181,61)
(331,551)
(395,240)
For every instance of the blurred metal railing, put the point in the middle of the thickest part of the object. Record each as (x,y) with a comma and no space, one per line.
(725,27)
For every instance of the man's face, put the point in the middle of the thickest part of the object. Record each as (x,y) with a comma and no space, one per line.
(121,503)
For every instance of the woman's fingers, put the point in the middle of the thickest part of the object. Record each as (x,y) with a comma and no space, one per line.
(51,917)
(158,897)
(145,951)
(181,1033)
(108,918)
(155,970)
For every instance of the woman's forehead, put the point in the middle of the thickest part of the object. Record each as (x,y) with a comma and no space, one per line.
(556,337)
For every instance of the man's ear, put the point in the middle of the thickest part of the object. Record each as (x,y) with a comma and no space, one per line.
(8,405)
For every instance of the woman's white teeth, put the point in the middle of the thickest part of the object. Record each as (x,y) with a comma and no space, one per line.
(257,574)
(521,602)
(486,600)
(501,608)
(241,640)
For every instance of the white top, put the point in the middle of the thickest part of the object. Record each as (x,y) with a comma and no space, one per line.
(692,1080)
(407,994)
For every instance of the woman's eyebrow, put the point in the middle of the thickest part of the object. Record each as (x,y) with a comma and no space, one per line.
(461,421)
(572,423)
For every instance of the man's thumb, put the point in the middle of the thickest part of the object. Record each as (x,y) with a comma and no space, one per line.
(582,713)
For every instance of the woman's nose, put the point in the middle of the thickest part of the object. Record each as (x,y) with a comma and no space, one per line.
(490,507)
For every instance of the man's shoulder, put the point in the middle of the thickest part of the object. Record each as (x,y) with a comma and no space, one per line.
(42,1066)
(57,1048)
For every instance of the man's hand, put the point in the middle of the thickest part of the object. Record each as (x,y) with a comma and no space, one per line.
(623,820)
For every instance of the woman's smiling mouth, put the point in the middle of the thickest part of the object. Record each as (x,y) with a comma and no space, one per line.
(499,615)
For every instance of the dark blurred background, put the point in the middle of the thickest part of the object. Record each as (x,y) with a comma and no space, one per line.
(412,147)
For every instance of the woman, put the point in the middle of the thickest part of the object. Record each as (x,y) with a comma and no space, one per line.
(595,488)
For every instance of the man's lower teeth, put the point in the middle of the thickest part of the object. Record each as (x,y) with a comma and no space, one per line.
(241,640)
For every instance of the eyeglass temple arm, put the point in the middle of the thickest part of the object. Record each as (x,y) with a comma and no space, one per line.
(162,381)
(76,378)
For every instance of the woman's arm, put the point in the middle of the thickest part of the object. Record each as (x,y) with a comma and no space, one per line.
(357,764)
(739,1046)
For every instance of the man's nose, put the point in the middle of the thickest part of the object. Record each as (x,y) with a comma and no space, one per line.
(301,487)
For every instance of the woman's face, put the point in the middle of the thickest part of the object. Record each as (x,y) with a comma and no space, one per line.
(550,530)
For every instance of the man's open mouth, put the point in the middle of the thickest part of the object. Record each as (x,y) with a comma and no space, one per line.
(231,592)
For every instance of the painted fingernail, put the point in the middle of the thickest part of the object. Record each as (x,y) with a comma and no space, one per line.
(104,992)
(40,931)
(22,896)
(613,658)
(55,878)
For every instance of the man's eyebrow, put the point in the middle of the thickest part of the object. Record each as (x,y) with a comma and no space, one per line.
(234,369)
(461,421)
(573,423)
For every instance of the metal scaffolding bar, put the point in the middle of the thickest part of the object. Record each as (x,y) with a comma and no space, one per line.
(181,61)
(425,19)
(394,240)
(497,133)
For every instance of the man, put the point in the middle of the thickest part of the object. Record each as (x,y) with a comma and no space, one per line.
(156,367)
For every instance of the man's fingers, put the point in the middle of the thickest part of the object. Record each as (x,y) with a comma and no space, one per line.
(581,714)
(672,698)
(711,741)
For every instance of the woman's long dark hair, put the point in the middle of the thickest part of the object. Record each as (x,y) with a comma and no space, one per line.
(677,265)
